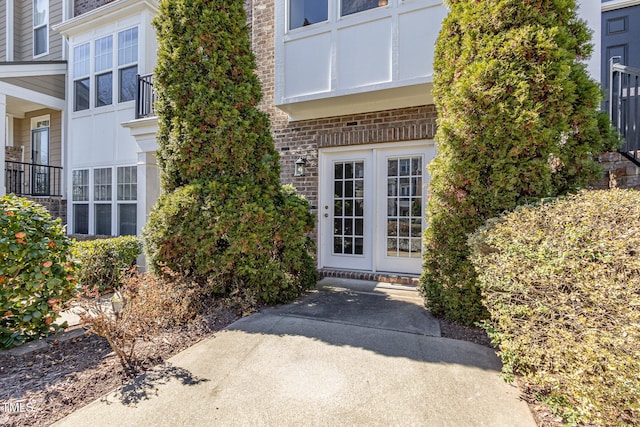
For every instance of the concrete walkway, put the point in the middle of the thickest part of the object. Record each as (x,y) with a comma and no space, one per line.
(353,353)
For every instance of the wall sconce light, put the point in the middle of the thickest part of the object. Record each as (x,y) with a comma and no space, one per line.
(300,167)
(383,3)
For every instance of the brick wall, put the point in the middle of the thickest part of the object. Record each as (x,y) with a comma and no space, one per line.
(13,154)
(56,207)
(304,138)
(84,6)
(619,172)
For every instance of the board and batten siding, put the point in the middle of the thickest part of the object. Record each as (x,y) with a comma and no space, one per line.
(23,30)
(22,135)
(3,32)
(48,85)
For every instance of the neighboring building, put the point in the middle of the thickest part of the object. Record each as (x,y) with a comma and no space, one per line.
(32,100)
(620,44)
(347,85)
(109,45)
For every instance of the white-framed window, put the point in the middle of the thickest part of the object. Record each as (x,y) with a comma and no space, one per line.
(307,12)
(40,27)
(103,65)
(95,76)
(102,195)
(127,64)
(127,189)
(80,199)
(81,73)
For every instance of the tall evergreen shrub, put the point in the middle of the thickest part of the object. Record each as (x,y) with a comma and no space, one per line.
(224,216)
(517,122)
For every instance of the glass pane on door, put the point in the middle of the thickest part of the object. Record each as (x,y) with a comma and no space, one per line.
(40,158)
(40,146)
(404,207)
(348,208)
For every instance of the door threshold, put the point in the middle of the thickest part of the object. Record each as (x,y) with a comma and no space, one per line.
(395,278)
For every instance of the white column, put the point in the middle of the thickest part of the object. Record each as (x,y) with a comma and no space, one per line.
(590,11)
(148,186)
(3,141)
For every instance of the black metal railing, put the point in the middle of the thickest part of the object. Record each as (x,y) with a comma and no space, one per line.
(145,96)
(31,179)
(624,111)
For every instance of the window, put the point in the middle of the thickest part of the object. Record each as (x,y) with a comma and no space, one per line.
(127,223)
(306,12)
(103,219)
(40,27)
(80,194)
(81,219)
(127,64)
(102,184)
(103,68)
(81,77)
(81,185)
(102,193)
(127,181)
(355,6)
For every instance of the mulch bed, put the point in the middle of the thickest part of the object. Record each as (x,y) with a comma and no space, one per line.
(44,386)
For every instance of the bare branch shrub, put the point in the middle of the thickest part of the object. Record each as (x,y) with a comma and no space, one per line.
(150,303)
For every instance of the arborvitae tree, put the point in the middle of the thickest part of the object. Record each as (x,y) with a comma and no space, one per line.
(224,216)
(518,121)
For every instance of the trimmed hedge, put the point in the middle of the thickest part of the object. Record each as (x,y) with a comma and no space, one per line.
(562,284)
(36,272)
(517,121)
(101,262)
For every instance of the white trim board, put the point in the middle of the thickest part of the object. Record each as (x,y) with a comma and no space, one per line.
(619,4)
(32,70)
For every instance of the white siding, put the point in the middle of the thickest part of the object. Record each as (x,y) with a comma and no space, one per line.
(380,53)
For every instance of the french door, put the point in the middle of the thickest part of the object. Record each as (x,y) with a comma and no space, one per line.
(40,179)
(372,207)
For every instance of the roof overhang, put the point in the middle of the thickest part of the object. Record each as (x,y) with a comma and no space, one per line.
(619,4)
(32,69)
(111,11)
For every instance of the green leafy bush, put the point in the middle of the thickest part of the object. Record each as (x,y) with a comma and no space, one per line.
(102,262)
(36,272)
(517,121)
(562,284)
(224,216)
(220,235)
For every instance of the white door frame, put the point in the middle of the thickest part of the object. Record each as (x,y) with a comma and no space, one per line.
(374,220)
(326,211)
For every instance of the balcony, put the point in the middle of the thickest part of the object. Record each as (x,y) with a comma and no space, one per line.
(31,179)
(624,107)
(145,97)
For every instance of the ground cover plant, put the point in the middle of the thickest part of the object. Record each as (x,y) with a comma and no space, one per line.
(36,272)
(223,218)
(517,122)
(562,284)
